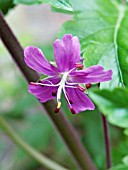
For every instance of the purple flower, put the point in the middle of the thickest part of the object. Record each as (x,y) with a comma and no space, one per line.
(66,76)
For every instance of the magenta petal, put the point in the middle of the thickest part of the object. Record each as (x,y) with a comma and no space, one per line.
(80,101)
(35,59)
(44,93)
(93,74)
(67,52)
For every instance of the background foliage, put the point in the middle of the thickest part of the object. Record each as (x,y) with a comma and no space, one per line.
(102,29)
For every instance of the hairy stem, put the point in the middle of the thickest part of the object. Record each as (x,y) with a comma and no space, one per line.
(27,148)
(65,129)
(107,142)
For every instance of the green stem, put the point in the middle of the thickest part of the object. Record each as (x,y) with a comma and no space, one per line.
(27,148)
(66,130)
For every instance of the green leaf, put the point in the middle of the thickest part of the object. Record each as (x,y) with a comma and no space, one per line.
(114,104)
(102,28)
(59,10)
(62,4)
(5,5)
(126,132)
(119,167)
(119,147)
(89,122)
(125,160)
(27,2)
(48,51)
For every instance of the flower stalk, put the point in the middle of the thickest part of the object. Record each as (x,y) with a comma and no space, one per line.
(66,130)
(107,142)
(106,139)
(27,148)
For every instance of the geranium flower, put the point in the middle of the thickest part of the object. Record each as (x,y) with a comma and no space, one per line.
(66,76)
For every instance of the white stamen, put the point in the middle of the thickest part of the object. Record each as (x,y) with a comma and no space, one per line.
(62,84)
(53,85)
(50,82)
(71,83)
(74,87)
(66,97)
(71,70)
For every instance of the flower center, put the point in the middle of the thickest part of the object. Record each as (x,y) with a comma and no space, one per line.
(64,83)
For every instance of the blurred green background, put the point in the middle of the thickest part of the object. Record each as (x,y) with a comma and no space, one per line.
(37,25)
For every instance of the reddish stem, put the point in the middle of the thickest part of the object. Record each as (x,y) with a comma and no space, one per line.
(107,142)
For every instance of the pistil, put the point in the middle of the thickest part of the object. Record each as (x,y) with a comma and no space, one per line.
(61,85)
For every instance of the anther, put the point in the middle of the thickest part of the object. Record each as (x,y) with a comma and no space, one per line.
(70,102)
(58,107)
(81,88)
(57,110)
(32,83)
(72,111)
(79,65)
(88,85)
(53,93)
